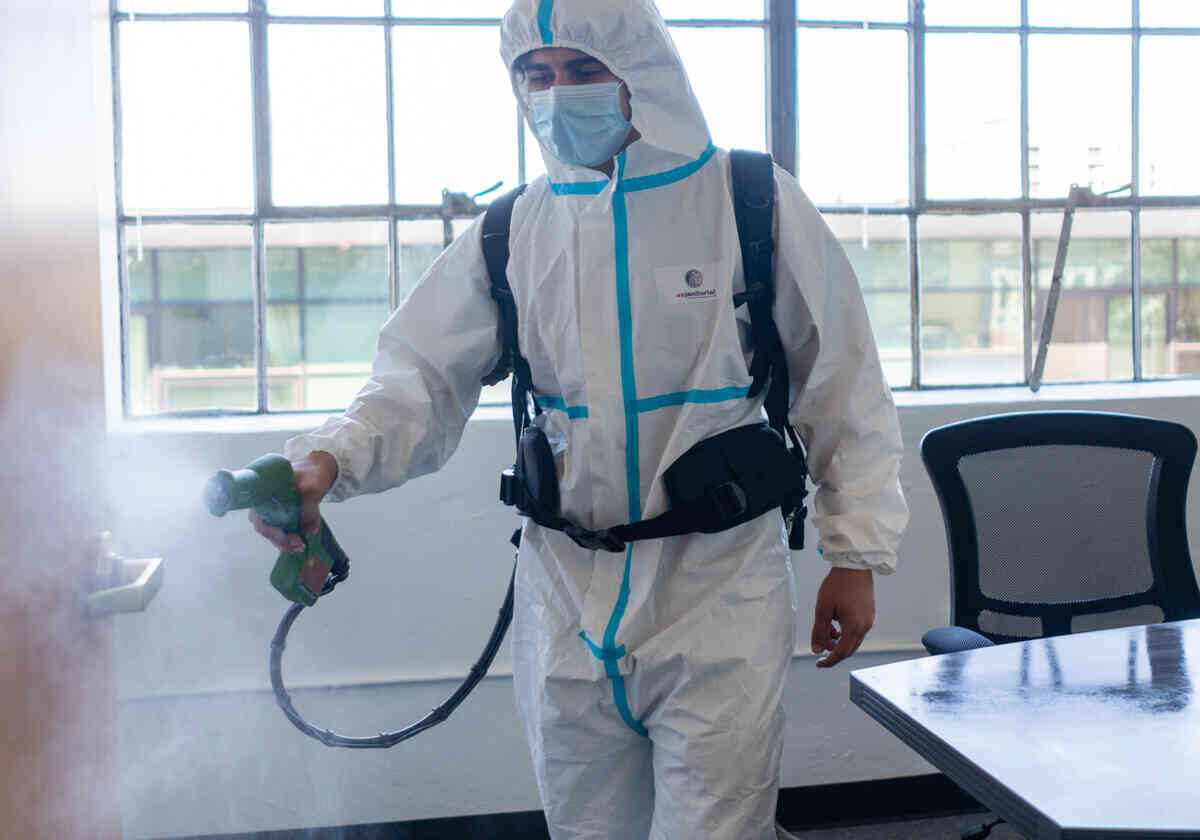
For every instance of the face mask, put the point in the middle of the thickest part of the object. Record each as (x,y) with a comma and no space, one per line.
(581,125)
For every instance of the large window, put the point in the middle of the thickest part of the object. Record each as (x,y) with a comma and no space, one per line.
(941,139)
(288,169)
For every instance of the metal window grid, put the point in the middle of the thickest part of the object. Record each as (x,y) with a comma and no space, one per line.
(779,25)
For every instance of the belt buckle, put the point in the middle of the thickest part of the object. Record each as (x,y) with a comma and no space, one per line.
(604,540)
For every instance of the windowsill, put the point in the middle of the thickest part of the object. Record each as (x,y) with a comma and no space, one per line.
(1088,392)
(1014,395)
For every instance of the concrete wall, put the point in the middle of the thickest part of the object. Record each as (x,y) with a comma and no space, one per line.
(204,749)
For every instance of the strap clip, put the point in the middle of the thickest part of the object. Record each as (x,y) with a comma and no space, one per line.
(604,540)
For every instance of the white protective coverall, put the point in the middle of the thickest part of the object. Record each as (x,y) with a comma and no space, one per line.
(650,681)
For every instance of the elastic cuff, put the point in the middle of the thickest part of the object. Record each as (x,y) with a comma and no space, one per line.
(297,448)
(880,562)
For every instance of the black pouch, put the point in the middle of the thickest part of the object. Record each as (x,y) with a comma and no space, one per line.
(737,475)
(535,479)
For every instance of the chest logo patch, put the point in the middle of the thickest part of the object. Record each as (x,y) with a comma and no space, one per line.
(693,281)
(689,283)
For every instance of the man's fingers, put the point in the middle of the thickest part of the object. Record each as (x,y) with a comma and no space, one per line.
(846,647)
(825,635)
(823,629)
(276,536)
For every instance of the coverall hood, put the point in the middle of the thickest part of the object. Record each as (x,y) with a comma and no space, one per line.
(631,38)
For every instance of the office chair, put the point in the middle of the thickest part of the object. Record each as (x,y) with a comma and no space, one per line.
(1061,521)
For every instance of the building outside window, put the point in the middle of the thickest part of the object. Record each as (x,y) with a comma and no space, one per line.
(288,169)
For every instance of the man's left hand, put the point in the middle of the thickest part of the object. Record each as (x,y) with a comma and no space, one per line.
(845,612)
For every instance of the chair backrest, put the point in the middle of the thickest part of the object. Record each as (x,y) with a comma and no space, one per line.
(1062,521)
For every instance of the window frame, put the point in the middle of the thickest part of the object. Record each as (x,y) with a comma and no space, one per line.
(780,26)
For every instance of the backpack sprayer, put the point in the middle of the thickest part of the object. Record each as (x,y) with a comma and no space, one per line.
(304,576)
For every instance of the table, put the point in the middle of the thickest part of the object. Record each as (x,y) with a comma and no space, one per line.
(1093,735)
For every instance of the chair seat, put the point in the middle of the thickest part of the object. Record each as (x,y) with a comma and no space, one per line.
(953,639)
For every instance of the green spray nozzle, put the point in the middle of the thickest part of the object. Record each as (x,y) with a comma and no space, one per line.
(265,484)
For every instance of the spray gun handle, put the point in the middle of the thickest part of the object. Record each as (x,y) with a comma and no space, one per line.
(300,576)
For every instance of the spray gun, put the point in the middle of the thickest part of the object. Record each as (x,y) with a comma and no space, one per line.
(266,485)
(303,576)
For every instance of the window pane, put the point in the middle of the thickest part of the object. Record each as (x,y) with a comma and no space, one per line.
(456,9)
(1079,122)
(1170,293)
(972,12)
(1080,13)
(720,9)
(878,250)
(1169,128)
(973,123)
(179,6)
(971,307)
(325,306)
(1169,13)
(1093,335)
(191,339)
(420,244)
(726,68)
(327,8)
(328,123)
(853,132)
(881,10)
(444,138)
(186,125)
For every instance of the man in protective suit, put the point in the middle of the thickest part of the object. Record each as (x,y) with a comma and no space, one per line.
(650,682)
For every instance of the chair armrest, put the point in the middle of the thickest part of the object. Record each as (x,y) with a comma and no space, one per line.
(953,639)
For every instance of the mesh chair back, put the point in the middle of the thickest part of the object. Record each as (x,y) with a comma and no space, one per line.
(1062,521)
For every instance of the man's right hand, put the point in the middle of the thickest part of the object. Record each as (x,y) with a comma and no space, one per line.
(312,476)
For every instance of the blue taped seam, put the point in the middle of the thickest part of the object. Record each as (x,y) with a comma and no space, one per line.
(623,707)
(609,653)
(693,396)
(609,657)
(671,176)
(625,322)
(578,187)
(573,411)
(544,12)
(642,182)
(600,653)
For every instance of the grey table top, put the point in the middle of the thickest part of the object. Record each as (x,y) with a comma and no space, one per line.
(1094,735)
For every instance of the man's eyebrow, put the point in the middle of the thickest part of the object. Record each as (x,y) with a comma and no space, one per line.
(579,62)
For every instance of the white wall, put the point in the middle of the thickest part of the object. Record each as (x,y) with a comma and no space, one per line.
(203,748)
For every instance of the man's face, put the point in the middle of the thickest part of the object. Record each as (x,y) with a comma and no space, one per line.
(544,68)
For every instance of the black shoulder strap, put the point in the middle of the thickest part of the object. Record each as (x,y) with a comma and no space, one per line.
(496,222)
(753,176)
(754,209)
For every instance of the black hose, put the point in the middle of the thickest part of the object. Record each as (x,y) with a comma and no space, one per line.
(384,739)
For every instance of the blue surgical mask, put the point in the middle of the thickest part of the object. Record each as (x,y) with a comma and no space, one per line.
(581,125)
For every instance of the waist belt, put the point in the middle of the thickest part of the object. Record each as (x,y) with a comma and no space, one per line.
(720,482)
